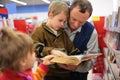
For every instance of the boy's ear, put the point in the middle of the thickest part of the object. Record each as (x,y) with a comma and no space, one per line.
(50,15)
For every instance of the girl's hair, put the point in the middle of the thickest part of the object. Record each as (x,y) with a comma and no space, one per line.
(57,7)
(14,46)
(84,6)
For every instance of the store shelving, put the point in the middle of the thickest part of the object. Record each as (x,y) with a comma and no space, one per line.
(112,52)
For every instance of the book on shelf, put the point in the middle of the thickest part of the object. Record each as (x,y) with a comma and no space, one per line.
(114,19)
(118,17)
(111,39)
(118,42)
(74,59)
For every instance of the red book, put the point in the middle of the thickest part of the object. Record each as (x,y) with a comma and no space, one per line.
(20,25)
(3,11)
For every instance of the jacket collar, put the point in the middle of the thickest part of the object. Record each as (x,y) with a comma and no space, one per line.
(59,32)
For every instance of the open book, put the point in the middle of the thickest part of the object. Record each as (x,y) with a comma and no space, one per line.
(74,60)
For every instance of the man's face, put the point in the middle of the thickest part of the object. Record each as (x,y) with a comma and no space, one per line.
(77,19)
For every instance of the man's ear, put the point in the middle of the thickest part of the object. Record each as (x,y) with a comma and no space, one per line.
(50,15)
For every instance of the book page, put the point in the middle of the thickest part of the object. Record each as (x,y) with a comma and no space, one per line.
(88,56)
(74,60)
(66,60)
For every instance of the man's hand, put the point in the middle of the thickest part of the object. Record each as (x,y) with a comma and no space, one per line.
(68,67)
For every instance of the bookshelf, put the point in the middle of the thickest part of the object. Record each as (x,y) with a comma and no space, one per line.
(112,52)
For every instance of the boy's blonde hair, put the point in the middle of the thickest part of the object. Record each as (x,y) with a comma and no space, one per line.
(57,7)
(14,46)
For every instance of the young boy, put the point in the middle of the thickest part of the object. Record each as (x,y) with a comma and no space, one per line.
(52,37)
(17,57)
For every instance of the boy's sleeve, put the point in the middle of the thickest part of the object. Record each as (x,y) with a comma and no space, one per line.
(41,71)
(0,73)
(38,39)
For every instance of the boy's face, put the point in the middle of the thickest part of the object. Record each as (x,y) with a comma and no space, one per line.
(58,21)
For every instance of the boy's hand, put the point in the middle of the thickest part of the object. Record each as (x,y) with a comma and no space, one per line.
(46,60)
